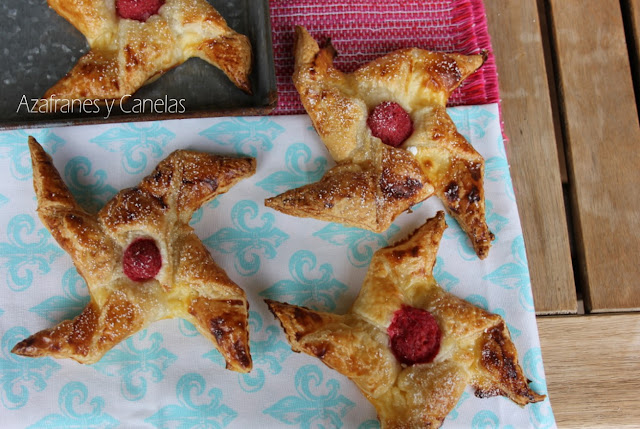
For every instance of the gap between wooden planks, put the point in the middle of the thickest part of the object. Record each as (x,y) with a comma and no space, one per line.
(602,139)
(532,150)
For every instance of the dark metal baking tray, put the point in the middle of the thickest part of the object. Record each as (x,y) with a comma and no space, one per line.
(39,47)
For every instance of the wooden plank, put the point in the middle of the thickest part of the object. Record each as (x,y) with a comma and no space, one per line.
(600,123)
(592,364)
(526,107)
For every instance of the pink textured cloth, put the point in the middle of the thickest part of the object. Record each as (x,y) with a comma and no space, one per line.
(364,30)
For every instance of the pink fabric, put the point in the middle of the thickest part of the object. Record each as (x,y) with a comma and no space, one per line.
(364,30)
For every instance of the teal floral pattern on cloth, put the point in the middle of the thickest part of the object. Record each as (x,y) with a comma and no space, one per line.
(199,214)
(453,415)
(74,298)
(542,415)
(472,122)
(136,361)
(73,403)
(136,143)
(14,149)
(90,196)
(312,408)
(487,420)
(268,352)
(319,291)
(21,377)
(168,375)
(445,279)
(297,159)
(482,302)
(360,243)
(250,239)
(515,275)
(495,221)
(197,407)
(29,248)
(246,135)
(370,424)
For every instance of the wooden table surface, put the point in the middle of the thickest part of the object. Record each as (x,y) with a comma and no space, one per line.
(569,80)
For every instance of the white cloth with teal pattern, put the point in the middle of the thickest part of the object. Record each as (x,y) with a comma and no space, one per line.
(169,376)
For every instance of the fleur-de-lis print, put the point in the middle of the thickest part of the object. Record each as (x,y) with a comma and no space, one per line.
(91,196)
(542,415)
(13,147)
(268,352)
(20,376)
(195,408)
(137,361)
(515,275)
(253,237)
(73,402)
(361,244)
(308,409)
(297,173)
(136,142)
(245,135)
(28,249)
(74,298)
(310,287)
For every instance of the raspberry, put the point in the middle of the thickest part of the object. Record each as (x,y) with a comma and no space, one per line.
(140,10)
(142,260)
(414,335)
(390,123)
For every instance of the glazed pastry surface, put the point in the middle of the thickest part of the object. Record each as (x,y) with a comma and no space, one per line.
(125,54)
(474,348)
(372,182)
(187,283)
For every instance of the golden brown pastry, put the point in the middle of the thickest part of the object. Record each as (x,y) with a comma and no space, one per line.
(126,53)
(387,128)
(141,260)
(410,346)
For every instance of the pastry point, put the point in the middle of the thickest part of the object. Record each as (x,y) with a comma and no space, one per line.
(141,260)
(400,99)
(384,343)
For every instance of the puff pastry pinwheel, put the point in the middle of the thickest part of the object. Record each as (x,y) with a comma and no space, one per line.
(387,129)
(410,346)
(141,260)
(134,42)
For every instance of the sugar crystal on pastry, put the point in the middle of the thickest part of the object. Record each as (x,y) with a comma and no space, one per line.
(141,260)
(449,342)
(374,181)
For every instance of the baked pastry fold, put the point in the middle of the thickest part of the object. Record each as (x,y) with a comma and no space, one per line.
(125,54)
(474,349)
(187,284)
(372,183)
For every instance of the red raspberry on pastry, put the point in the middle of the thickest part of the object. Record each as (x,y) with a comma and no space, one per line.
(414,335)
(140,10)
(126,54)
(390,123)
(387,128)
(410,346)
(142,260)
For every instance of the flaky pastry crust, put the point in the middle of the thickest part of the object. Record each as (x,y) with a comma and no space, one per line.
(475,347)
(189,284)
(373,183)
(125,54)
